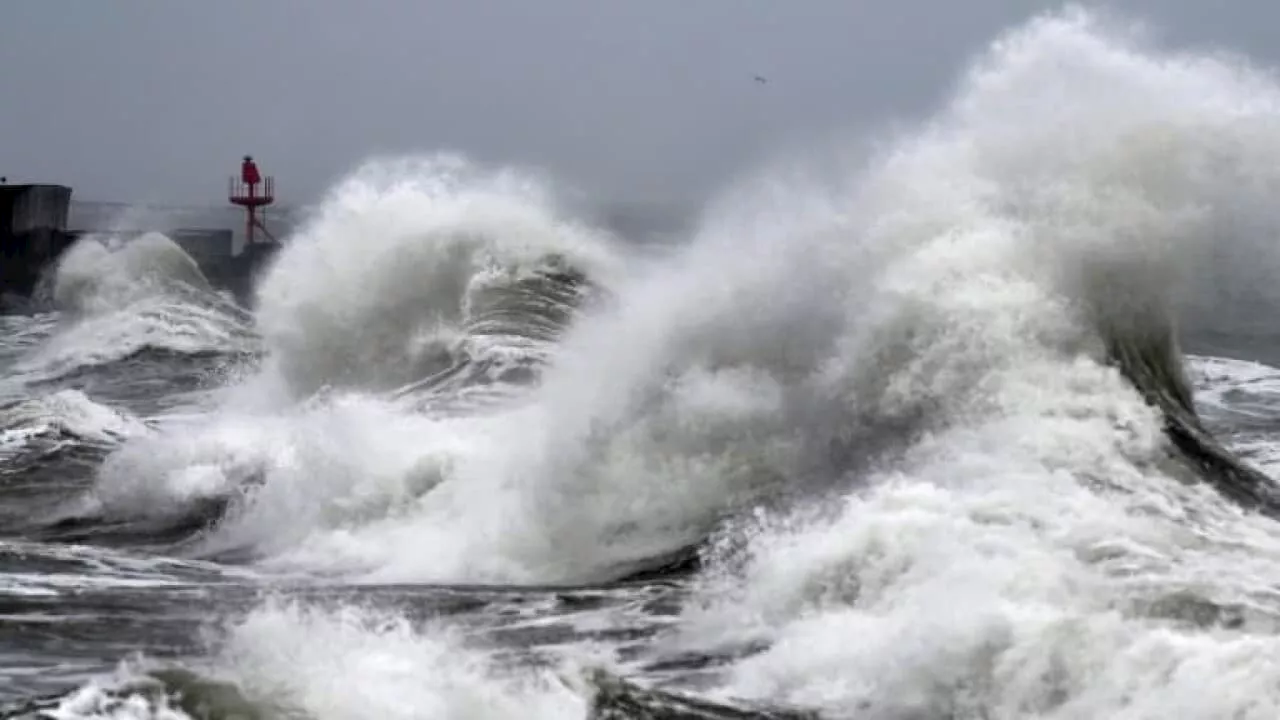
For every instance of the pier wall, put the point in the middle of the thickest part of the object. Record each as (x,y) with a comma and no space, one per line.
(33,233)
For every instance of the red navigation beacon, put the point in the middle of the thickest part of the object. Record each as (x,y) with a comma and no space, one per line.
(253,193)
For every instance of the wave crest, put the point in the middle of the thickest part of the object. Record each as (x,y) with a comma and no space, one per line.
(92,277)
(399,265)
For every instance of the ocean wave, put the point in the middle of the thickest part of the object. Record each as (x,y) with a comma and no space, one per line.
(927,428)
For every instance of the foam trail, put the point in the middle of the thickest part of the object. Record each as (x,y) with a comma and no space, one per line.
(280,661)
(282,653)
(67,412)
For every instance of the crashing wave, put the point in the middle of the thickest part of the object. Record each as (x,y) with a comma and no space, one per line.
(121,302)
(411,265)
(929,433)
(93,277)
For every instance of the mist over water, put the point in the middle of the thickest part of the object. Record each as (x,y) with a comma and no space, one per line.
(915,421)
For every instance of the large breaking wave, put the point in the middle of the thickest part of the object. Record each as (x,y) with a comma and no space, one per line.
(927,422)
(398,267)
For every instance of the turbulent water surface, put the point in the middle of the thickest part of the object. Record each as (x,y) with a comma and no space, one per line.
(979,426)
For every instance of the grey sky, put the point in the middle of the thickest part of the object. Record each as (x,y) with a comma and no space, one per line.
(155,100)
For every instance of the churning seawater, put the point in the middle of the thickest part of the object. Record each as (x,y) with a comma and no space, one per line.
(911,436)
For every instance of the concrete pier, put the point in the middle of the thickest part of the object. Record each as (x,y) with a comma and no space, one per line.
(246,269)
(33,233)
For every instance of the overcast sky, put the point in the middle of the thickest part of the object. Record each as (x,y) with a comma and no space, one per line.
(156,100)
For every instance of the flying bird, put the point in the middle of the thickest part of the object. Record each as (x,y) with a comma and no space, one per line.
(760,79)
